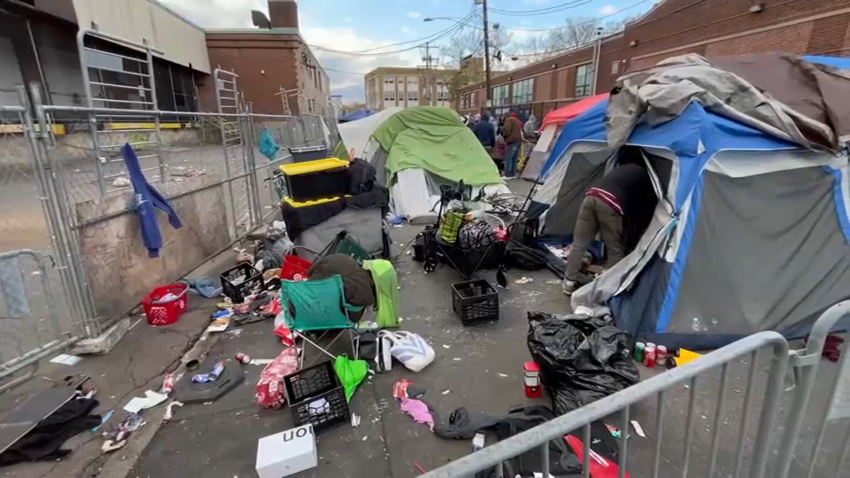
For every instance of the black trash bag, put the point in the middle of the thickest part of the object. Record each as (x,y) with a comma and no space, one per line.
(582,359)
(462,425)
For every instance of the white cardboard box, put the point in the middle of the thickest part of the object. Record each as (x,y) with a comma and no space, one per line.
(286,453)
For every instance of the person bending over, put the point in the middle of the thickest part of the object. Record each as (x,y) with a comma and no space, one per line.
(610,207)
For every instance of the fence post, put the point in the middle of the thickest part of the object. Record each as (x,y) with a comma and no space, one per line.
(59,213)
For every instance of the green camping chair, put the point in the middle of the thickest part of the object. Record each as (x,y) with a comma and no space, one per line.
(318,305)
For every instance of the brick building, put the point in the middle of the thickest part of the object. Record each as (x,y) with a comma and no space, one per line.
(271,63)
(406,87)
(672,27)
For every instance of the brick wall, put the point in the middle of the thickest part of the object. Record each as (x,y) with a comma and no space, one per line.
(705,27)
(264,63)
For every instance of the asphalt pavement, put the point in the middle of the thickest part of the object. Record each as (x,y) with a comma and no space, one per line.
(479,368)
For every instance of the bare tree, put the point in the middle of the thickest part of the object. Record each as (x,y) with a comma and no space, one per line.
(576,33)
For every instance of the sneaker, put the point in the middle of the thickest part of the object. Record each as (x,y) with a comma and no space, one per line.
(570,286)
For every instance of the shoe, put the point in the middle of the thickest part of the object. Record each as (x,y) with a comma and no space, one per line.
(570,286)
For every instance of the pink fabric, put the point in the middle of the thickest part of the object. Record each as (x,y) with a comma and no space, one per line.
(418,410)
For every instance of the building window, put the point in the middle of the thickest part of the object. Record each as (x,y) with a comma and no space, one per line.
(412,96)
(400,80)
(389,96)
(473,98)
(584,80)
(500,95)
(389,80)
(523,91)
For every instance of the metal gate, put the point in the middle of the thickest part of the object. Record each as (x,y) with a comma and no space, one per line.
(236,140)
(752,457)
(30,329)
(40,301)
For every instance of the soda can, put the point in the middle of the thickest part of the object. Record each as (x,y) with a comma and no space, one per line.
(649,357)
(661,355)
(217,370)
(243,358)
(650,344)
(168,384)
(639,350)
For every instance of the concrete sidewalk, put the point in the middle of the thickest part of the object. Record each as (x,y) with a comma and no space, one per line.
(137,363)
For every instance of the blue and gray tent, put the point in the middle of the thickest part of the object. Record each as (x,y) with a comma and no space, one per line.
(750,232)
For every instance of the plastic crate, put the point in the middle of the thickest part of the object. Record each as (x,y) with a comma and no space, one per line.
(316,396)
(309,153)
(315,180)
(475,301)
(239,290)
(167,312)
(294,268)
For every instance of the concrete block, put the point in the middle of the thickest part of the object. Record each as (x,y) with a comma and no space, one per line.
(105,342)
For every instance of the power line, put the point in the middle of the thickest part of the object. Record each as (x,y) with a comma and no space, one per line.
(661,17)
(374,51)
(589,22)
(541,11)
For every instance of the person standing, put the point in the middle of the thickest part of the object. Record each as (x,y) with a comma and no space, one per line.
(485,132)
(615,206)
(512,132)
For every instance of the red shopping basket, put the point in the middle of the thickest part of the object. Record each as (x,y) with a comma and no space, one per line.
(294,268)
(166,312)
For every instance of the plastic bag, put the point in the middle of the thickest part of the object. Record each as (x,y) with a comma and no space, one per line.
(410,349)
(271,391)
(582,358)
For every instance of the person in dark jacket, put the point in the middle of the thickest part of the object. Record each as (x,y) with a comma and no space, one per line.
(512,132)
(615,207)
(485,132)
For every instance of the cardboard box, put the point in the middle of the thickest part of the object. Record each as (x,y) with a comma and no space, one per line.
(287,453)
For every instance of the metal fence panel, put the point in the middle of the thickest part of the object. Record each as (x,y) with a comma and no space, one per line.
(662,387)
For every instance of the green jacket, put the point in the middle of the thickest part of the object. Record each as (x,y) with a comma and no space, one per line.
(386,291)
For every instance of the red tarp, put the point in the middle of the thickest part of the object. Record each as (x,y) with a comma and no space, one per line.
(562,115)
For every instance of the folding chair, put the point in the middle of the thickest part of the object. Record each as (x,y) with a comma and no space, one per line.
(318,305)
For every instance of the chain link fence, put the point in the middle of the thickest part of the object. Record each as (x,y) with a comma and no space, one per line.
(67,193)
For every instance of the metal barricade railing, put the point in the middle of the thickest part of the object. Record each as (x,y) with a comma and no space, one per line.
(30,328)
(806,363)
(658,385)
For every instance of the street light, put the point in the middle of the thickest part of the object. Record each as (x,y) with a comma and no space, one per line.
(461,21)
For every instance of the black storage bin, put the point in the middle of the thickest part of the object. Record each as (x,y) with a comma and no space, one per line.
(475,301)
(314,180)
(309,153)
(238,290)
(316,396)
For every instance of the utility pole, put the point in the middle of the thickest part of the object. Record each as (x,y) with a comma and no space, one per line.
(486,55)
(429,60)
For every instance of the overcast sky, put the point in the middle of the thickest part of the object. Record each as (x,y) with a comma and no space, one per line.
(356,25)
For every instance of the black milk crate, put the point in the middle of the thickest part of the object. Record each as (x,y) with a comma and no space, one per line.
(238,291)
(316,396)
(475,301)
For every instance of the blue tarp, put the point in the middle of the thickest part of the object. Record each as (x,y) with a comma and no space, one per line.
(356,115)
(841,63)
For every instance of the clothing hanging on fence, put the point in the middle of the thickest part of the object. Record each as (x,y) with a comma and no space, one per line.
(148,200)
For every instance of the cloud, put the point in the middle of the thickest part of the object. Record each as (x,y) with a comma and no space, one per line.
(350,84)
(348,80)
(218,13)
(609,10)
(414,14)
